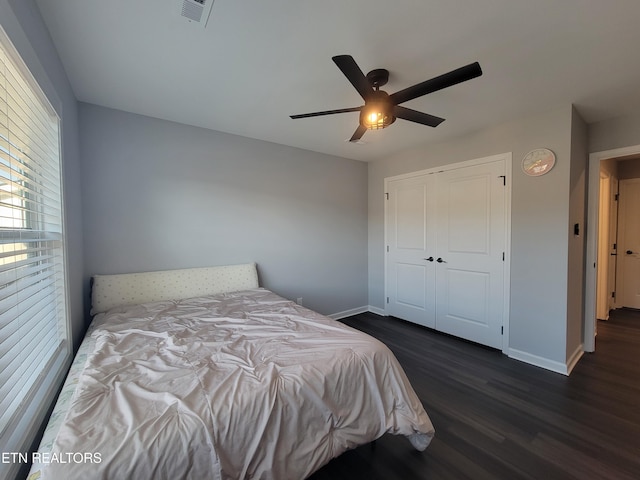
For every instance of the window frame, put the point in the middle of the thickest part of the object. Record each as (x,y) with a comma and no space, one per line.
(26,426)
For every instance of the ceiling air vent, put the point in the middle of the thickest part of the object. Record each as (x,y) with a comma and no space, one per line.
(197,10)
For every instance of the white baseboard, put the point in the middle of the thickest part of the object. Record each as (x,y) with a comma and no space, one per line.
(573,360)
(356,311)
(537,361)
(348,313)
(377,311)
(558,367)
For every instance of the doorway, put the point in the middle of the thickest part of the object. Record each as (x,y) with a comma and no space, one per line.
(603,265)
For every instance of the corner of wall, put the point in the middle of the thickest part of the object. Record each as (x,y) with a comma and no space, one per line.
(538,361)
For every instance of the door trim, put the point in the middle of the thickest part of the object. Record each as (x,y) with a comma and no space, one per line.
(593,200)
(507,159)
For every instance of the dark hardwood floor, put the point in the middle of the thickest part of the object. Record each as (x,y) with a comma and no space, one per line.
(497,418)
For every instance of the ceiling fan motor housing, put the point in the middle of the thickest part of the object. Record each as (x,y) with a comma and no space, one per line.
(378,77)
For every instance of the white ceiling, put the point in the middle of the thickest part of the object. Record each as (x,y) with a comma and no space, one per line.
(256,62)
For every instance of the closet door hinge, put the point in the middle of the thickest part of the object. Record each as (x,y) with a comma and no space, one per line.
(387,248)
(503,256)
(616,197)
(386,195)
(387,299)
(504,179)
(501,330)
(613,294)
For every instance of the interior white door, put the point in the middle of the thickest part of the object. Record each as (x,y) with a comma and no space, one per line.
(629,243)
(471,247)
(410,275)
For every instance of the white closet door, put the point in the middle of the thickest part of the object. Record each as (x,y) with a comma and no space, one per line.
(629,243)
(410,276)
(471,246)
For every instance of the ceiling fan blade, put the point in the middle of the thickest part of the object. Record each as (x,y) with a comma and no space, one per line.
(415,116)
(454,77)
(357,135)
(352,71)
(326,112)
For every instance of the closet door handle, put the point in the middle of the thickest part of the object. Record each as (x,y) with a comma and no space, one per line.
(629,252)
(430,259)
(440,260)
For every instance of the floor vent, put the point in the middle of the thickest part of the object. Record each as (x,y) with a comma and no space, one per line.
(197,10)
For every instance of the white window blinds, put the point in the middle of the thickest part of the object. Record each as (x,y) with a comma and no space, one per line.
(33,325)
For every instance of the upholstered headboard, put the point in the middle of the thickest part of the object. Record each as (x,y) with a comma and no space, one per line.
(109,291)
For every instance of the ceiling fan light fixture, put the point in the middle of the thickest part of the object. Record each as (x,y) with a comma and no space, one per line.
(376,116)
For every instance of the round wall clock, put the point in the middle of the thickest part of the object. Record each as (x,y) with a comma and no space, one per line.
(538,162)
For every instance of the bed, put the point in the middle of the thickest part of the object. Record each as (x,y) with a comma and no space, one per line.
(200,373)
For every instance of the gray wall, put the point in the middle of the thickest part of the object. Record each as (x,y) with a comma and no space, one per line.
(577,243)
(629,168)
(614,133)
(539,219)
(160,195)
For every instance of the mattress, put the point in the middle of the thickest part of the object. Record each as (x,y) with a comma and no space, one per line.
(235,385)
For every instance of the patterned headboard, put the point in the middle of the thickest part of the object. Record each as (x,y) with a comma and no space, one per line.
(109,291)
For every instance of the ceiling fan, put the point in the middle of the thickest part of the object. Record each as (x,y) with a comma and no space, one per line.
(381,109)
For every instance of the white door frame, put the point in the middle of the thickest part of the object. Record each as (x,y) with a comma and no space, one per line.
(603,288)
(507,158)
(592,239)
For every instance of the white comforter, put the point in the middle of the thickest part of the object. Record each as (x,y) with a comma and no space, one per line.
(240,385)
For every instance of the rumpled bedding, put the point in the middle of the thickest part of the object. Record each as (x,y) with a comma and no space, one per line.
(232,386)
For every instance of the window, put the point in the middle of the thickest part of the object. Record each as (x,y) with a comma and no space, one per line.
(33,318)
